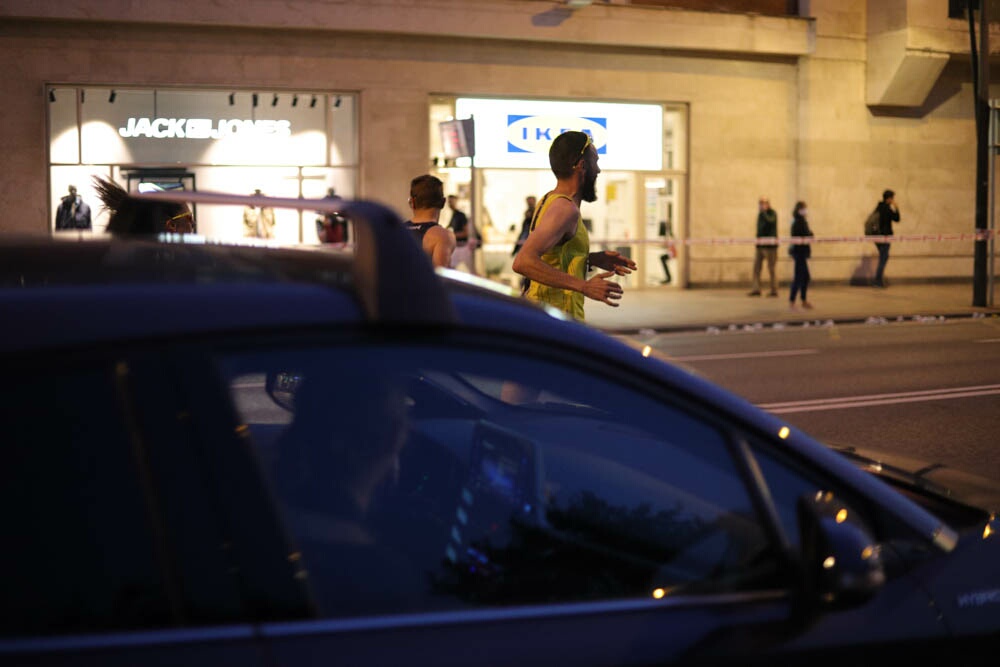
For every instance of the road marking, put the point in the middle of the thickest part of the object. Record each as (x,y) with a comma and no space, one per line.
(743,355)
(872,400)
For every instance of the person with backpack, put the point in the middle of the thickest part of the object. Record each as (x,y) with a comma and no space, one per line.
(888,213)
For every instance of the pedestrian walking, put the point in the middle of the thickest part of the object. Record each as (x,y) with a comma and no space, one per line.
(888,213)
(800,253)
(529,213)
(465,238)
(669,251)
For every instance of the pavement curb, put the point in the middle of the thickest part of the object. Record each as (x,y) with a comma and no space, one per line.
(778,325)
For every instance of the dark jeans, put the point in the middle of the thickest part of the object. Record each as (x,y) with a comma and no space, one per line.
(664,259)
(800,281)
(883,258)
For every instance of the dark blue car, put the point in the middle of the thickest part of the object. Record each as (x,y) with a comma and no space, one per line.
(225,455)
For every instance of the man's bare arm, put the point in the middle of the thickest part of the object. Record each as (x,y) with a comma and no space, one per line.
(439,243)
(559,222)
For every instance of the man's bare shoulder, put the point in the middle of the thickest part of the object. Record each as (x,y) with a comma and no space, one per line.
(561,212)
(439,233)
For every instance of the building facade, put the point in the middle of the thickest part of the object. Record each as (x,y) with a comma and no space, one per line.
(826,101)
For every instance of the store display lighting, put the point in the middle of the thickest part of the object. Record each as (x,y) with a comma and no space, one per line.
(254,98)
(295,100)
(274,102)
(232,99)
(312,103)
(112,96)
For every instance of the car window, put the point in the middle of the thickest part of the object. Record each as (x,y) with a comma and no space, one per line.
(411,481)
(79,551)
(105,504)
(788,480)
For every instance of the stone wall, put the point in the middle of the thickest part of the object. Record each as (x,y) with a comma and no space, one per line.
(777,106)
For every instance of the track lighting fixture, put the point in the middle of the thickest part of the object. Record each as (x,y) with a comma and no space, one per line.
(274,101)
(312,102)
(232,99)
(112,96)
(295,100)
(83,96)
(52,95)
(336,102)
(254,98)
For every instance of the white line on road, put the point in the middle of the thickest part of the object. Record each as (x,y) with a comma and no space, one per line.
(872,400)
(744,355)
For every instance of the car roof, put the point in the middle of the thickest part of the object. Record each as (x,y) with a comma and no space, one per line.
(103,291)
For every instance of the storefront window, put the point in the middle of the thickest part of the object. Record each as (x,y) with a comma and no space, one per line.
(643,158)
(282,143)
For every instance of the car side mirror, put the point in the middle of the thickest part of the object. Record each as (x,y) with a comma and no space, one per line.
(841,561)
(281,387)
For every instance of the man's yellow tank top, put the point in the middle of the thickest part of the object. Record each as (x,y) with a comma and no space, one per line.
(569,257)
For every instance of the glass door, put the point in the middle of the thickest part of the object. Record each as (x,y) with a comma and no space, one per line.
(660,216)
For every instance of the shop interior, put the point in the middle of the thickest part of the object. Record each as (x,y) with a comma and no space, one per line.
(282,143)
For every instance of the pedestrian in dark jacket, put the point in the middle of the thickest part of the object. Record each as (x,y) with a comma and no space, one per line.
(800,253)
(767,248)
(888,213)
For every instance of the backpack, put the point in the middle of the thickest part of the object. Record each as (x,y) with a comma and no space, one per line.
(873,223)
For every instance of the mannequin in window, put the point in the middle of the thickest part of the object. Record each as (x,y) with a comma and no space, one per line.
(258,222)
(331,227)
(73,212)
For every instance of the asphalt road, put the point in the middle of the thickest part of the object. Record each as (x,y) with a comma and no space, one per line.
(930,390)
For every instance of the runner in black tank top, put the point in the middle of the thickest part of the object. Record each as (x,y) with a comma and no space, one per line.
(419,229)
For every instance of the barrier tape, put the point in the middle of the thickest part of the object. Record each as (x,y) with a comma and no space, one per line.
(981,235)
(333,205)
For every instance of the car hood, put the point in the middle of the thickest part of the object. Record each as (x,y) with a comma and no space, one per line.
(928,477)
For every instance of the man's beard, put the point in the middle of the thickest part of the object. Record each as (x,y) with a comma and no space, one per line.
(588,189)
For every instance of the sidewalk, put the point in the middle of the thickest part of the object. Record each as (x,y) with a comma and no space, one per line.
(674,309)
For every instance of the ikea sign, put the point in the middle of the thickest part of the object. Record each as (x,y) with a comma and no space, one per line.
(534,134)
(518,133)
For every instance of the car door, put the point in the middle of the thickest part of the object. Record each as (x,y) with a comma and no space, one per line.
(114,550)
(529,505)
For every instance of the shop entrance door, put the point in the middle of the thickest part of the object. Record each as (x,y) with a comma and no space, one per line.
(164,179)
(613,220)
(661,215)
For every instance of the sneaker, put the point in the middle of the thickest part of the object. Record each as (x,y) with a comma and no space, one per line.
(755,292)
(807,305)
(792,306)
(772,293)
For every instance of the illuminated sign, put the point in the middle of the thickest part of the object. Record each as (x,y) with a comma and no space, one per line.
(518,133)
(458,138)
(203,128)
(534,134)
